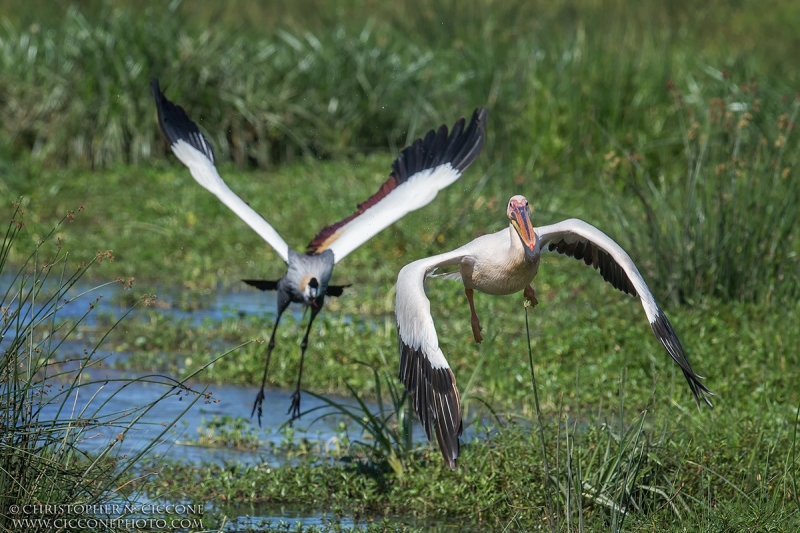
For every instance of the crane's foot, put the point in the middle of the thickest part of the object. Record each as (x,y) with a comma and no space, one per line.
(294,409)
(476,330)
(257,405)
(530,295)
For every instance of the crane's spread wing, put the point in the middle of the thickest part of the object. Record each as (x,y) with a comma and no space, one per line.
(418,174)
(576,238)
(423,368)
(194,151)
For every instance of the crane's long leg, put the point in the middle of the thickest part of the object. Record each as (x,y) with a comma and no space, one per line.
(476,324)
(294,409)
(260,397)
(530,295)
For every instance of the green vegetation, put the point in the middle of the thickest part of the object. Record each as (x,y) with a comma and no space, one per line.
(228,432)
(673,473)
(688,138)
(43,425)
(671,127)
(387,432)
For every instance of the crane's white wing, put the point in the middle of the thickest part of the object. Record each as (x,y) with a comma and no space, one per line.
(576,238)
(418,174)
(423,368)
(194,151)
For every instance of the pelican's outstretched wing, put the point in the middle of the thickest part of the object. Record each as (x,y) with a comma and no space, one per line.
(580,240)
(423,368)
(418,174)
(194,151)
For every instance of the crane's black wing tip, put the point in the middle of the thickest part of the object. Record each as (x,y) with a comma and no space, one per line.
(155,90)
(176,124)
(336,290)
(481,116)
(458,149)
(263,284)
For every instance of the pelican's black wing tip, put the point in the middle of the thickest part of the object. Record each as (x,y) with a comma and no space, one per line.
(155,90)
(667,336)
(435,399)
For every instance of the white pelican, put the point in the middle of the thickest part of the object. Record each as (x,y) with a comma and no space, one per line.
(418,174)
(504,263)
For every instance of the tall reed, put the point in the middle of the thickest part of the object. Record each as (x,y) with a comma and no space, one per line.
(43,426)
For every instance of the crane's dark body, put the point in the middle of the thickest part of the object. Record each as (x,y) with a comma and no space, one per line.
(303,270)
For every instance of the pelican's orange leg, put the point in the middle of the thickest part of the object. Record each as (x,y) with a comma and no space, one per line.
(476,324)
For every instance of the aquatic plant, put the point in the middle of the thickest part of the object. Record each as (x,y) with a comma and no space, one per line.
(42,424)
(386,438)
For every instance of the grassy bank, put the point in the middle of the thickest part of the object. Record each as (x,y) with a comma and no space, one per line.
(673,129)
(74,88)
(682,476)
(734,466)
(51,410)
(687,139)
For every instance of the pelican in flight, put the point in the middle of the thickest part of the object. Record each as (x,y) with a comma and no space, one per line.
(504,263)
(418,174)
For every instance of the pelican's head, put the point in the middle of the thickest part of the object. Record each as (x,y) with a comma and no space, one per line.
(519,213)
(311,291)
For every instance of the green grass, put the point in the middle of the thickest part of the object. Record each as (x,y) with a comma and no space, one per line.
(683,474)
(688,138)
(737,463)
(672,128)
(75,88)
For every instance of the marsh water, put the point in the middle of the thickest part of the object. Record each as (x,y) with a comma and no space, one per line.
(155,414)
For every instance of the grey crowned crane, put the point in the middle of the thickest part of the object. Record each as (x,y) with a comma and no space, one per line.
(418,174)
(504,263)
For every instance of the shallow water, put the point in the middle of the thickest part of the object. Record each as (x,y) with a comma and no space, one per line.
(122,401)
(216,306)
(108,395)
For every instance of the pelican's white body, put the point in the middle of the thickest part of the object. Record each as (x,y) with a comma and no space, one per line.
(493,264)
(502,263)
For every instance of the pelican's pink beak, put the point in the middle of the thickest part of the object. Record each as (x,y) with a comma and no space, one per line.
(519,213)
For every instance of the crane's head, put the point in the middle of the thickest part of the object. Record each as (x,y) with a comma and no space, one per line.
(311,291)
(519,213)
